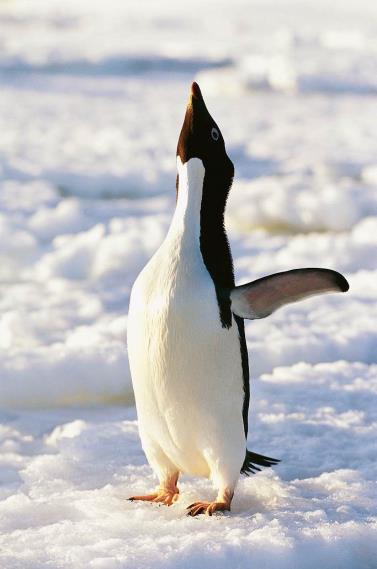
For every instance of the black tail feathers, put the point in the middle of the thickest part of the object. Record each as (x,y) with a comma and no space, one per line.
(252,458)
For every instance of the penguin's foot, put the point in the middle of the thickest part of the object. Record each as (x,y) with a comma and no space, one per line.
(221,504)
(163,496)
(207,508)
(167,493)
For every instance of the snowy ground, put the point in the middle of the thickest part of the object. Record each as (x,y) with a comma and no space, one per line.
(91,102)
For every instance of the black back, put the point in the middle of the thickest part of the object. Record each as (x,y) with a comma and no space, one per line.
(201,138)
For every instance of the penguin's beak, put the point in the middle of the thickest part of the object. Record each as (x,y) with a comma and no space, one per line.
(196,107)
(195,121)
(195,93)
(200,137)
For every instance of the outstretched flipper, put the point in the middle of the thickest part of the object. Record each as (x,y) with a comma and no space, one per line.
(262,297)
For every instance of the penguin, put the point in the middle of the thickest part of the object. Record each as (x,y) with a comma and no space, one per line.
(185,333)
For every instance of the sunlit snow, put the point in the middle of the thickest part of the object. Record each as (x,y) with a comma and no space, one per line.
(91,103)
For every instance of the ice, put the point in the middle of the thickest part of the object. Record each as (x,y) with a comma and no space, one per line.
(92,99)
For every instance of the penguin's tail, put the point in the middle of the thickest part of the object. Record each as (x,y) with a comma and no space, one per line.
(252,458)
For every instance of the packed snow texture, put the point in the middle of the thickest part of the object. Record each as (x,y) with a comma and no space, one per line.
(92,99)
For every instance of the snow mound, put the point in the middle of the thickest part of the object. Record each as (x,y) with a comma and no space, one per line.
(300,203)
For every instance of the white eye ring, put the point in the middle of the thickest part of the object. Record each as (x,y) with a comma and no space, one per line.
(215,134)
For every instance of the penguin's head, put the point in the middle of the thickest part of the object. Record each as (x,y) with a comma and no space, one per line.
(201,138)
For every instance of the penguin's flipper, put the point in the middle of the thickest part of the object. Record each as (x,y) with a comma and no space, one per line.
(252,458)
(260,298)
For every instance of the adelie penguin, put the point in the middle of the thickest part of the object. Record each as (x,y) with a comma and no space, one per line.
(186,338)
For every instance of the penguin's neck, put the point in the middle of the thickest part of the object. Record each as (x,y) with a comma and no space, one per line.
(185,225)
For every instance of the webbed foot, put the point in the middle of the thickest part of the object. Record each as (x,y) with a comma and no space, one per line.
(167,493)
(161,497)
(207,508)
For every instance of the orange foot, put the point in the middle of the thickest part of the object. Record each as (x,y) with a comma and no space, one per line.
(207,508)
(162,497)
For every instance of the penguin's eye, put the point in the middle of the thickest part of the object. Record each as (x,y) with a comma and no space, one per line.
(215,134)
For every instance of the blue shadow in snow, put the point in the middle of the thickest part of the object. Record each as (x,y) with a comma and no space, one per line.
(117,66)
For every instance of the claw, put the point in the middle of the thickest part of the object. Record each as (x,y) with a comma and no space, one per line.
(207,508)
(146,498)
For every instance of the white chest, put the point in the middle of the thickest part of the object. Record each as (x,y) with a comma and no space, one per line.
(174,321)
(186,368)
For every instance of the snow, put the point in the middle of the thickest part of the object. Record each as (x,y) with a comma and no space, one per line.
(92,99)
(67,475)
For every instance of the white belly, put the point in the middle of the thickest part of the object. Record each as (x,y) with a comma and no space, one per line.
(186,368)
